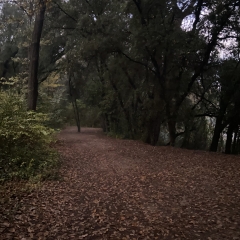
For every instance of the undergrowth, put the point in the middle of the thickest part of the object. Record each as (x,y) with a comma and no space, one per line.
(25,142)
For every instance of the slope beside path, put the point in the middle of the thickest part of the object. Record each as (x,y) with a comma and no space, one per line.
(124,189)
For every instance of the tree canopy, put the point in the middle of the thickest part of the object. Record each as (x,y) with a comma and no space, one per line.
(166,72)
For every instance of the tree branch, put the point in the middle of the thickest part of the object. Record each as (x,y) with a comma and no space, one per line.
(139,7)
(138,62)
(75,20)
(197,14)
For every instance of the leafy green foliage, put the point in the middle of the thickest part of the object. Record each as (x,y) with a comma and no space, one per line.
(25,150)
(57,108)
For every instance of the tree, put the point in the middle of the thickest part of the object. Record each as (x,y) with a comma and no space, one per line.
(150,68)
(34,56)
(228,102)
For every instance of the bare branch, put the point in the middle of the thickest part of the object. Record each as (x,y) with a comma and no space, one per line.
(71,17)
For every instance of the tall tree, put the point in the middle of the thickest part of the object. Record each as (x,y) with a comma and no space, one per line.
(34,55)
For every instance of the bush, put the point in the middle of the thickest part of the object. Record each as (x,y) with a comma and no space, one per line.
(57,108)
(25,150)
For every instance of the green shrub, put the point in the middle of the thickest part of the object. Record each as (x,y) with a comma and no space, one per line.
(25,150)
(57,108)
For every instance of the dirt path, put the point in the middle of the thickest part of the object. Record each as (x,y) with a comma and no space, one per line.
(123,189)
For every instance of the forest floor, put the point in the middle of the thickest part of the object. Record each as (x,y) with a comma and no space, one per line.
(124,189)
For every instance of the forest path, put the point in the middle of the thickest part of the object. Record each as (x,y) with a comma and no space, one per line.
(124,189)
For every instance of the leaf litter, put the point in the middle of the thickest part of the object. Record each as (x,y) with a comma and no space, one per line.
(124,189)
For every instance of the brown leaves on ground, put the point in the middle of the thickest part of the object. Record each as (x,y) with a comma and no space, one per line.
(123,189)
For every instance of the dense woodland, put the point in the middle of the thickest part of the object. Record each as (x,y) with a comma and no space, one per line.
(162,73)
(165,72)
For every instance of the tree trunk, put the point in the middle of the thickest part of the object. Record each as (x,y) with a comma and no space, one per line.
(234,147)
(237,146)
(171,122)
(217,132)
(171,112)
(228,148)
(105,123)
(153,130)
(76,113)
(34,57)
(172,131)
(125,111)
(186,139)
(74,104)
